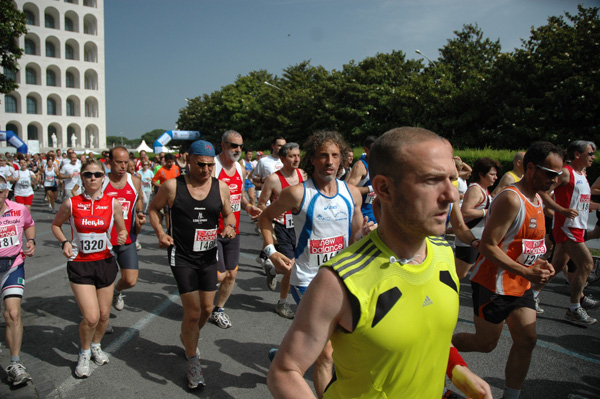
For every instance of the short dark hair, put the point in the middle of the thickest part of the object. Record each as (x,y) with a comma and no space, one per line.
(482,166)
(369,141)
(277,138)
(539,151)
(169,157)
(283,151)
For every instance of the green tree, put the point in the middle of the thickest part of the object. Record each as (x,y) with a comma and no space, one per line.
(12,26)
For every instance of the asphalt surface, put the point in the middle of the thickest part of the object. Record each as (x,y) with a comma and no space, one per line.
(147,359)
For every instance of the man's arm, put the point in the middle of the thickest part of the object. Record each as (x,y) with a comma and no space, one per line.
(472,198)
(356,175)
(290,199)
(164,196)
(267,190)
(502,214)
(460,227)
(324,305)
(549,202)
(229,221)
(359,225)
(156,179)
(139,204)
(505,181)
(250,209)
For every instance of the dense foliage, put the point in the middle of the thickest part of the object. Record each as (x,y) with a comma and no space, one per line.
(12,26)
(474,94)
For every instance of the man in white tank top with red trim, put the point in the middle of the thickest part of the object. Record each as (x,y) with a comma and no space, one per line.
(289,175)
(512,244)
(572,205)
(127,189)
(228,170)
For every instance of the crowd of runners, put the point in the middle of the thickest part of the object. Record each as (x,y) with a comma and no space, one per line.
(363,248)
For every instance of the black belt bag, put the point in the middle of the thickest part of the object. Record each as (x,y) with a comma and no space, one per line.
(6,263)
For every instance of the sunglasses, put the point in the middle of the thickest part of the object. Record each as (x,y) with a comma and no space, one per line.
(591,153)
(88,175)
(203,164)
(549,172)
(234,145)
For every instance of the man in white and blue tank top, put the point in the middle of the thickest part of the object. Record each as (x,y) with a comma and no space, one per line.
(327,218)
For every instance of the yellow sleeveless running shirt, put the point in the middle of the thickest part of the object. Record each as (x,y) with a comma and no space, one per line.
(514,175)
(404,319)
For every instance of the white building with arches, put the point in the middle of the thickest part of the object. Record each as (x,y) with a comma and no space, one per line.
(61,77)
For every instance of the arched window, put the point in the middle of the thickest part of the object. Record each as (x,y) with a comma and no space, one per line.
(51,106)
(49,21)
(30,47)
(29,18)
(50,78)
(10,74)
(13,128)
(32,132)
(10,104)
(70,108)
(70,80)
(30,76)
(69,26)
(50,50)
(69,53)
(51,131)
(31,105)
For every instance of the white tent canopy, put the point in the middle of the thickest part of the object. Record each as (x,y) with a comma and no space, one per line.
(143,146)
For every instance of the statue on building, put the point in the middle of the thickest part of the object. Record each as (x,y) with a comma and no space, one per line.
(91,141)
(54,140)
(73,140)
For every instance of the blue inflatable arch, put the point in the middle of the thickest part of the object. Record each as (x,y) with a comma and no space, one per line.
(169,135)
(11,138)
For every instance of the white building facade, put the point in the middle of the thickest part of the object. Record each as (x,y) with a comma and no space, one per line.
(61,98)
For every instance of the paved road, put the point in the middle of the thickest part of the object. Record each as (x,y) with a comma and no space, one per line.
(146,357)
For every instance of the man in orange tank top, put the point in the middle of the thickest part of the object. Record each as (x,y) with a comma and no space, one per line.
(511,247)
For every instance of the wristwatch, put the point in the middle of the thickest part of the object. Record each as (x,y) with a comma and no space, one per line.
(62,244)
(32,239)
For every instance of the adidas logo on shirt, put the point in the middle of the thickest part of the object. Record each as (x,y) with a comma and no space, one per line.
(427,302)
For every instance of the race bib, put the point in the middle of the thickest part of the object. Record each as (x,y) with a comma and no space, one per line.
(584,202)
(370,198)
(289,221)
(146,183)
(24,183)
(9,236)
(205,240)
(50,179)
(92,242)
(531,251)
(236,202)
(320,251)
(126,205)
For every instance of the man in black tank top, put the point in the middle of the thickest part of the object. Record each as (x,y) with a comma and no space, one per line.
(196,201)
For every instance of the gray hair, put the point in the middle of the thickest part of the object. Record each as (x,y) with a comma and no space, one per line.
(283,151)
(228,134)
(578,146)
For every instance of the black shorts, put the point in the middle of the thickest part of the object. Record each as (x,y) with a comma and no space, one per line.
(286,240)
(228,253)
(496,308)
(127,256)
(99,273)
(191,279)
(50,188)
(466,254)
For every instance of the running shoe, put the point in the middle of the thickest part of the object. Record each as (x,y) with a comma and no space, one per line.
(220,319)
(589,303)
(284,310)
(118,302)
(538,309)
(83,366)
(17,374)
(580,317)
(194,374)
(138,246)
(99,356)
(109,329)
(271,275)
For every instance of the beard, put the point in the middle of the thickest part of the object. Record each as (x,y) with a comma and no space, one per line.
(234,157)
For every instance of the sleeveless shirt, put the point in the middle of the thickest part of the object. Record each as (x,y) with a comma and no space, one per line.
(91,226)
(127,196)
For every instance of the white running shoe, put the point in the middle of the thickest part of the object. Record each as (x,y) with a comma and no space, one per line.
(118,301)
(99,356)
(194,374)
(83,366)
(17,374)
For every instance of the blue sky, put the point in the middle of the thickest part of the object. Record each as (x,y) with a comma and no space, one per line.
(160,52)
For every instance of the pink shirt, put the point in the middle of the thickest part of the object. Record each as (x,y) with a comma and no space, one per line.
(15,219)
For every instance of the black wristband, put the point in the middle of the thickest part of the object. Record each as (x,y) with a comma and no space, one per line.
(32,239)
(62,244)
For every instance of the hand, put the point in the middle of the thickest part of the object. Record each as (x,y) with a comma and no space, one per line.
(569,213)
(470,384)
(165,241)
(367,226)
(540,272)
(476,243)
(30,248)
(122,237)
(228,232)
(68,250)
(253,211)
(140,220)
(281,262)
